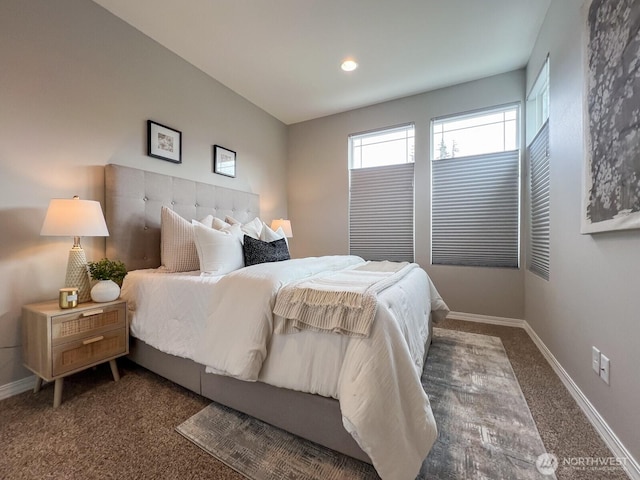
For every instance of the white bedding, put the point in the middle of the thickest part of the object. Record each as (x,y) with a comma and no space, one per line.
(207,319)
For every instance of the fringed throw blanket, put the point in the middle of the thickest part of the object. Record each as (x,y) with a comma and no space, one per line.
(342,302)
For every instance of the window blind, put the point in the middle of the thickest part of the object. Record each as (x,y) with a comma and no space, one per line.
(474,208)
(539,232)
(381,213)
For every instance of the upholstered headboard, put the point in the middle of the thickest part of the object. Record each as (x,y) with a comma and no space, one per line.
(133,199)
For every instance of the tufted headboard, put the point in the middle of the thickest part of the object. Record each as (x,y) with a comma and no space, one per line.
(133,199)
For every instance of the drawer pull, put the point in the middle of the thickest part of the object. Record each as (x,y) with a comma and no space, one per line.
(91,313)
(92,340)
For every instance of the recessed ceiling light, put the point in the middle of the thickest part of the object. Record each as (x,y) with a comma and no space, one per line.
(349,65)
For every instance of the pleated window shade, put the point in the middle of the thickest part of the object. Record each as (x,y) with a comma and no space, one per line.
(474,216)
(381,212)
(538,251)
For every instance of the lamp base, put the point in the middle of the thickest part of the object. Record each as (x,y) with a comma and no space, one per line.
(77,275)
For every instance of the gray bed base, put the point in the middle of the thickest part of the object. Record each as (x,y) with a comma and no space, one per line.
(313,417)
(133,199)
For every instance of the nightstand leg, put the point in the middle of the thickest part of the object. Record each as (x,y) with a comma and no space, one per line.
(38,384)
(57,392)
(114,370)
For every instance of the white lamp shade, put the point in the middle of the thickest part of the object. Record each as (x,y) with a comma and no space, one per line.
(72,217)
(286,227)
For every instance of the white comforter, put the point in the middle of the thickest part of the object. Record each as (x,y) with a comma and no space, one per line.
(376,379)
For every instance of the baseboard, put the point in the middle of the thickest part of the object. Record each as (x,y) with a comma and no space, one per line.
(631,466)
(614,444)
(472,317)
(19,386)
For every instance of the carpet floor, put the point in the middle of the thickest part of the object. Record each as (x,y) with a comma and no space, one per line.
(485,429)
(126,429)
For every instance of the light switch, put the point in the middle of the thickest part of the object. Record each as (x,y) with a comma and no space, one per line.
(604,369)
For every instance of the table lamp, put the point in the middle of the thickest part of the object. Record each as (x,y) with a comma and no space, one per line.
(285,224)
(75,218)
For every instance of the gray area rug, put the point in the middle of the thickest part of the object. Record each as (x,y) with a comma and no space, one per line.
(485,429)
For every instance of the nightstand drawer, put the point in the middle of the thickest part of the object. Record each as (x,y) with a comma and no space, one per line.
(92,349)
(87,323)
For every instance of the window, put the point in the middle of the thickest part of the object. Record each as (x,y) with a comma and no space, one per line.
(538,103)
(381,194)
(390,146)
(538,248)
(475,134)
(538,251)
(475,194)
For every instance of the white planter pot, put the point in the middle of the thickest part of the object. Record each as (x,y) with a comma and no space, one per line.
(105,291)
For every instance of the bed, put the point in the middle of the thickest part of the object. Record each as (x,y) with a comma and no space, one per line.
(311,409)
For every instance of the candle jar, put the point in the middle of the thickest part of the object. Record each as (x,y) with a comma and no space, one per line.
(68,297)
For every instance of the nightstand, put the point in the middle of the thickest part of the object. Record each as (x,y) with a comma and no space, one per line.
(57,343)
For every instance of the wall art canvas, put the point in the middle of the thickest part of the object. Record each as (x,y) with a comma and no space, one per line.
(612,122)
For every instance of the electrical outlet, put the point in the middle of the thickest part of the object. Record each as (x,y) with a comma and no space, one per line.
(604,369)
(595,360)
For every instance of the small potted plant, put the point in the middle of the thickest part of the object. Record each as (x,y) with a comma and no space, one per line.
(109,275)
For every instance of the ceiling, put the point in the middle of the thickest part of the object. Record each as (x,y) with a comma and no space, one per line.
(284,55)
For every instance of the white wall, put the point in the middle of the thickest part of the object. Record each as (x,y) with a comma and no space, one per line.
(592,296)
(77,86)
(319,188)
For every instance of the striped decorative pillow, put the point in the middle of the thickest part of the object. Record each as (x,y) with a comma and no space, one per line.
(177,247)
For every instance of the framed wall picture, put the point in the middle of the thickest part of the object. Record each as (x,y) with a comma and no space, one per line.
(164,142)
(224,161)
(611,192)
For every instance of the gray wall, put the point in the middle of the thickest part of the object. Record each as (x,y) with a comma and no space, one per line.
(592,296)
(76,88)
(319,188)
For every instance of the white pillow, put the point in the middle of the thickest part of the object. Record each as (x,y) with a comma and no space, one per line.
(177,248)
(207,221)
(219,224)
(252,228)
(268,235)
(219,251)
